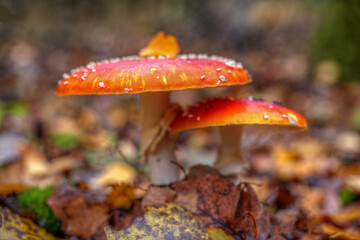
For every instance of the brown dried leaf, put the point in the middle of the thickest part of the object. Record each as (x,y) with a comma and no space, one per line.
(217,197)
(157,196)
(249,203)
(82,214)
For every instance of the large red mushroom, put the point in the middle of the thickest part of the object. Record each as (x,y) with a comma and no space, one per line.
(157,71)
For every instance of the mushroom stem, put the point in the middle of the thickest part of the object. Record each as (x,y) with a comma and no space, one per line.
(230,148)
(162,169)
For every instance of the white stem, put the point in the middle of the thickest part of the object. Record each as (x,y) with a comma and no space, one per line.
(230,149)
(162,169)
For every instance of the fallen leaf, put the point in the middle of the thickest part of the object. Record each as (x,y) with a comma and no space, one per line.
(115,173)
(157,196)
(34,161)
(217,197)
(82,214)
(337,233)
(249,203)
(15,227)
(339,218)
(7,189)
(218,234)
(121,196)
(187,200)
(347,215)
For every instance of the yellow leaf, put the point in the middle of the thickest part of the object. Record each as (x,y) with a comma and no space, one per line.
(15,227)
(7,189)
(115,173)
(121,196)
(218,234)
(346,215)
(166,222)
(337,233)
(161,45)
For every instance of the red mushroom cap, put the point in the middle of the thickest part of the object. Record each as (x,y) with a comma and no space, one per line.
(226,111)
(135,75)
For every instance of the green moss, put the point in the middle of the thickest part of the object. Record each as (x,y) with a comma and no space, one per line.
(337,37)
(346,197)
(356,119)
(34,201)
(65,141)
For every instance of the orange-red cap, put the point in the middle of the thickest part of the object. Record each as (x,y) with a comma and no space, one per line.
(226,111)
(160,71)
(135,75)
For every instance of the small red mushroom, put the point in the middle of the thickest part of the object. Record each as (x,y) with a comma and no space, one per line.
(227,112)
(153,75)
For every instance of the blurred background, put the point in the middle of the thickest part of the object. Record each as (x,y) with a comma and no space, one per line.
(303,54)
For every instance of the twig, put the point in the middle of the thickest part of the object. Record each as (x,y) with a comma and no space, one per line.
(253,183)
(254,221)
(179,166)
(138,186)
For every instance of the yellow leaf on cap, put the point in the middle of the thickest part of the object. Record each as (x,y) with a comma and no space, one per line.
(161,45)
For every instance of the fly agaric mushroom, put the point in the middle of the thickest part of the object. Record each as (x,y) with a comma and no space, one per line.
(227,112)
(153,75)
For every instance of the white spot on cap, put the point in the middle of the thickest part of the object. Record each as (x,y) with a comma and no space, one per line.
(101,84)
(197,118)
(222,78)
(271,106)
(127,90)
(202,77)
(190,115)
(266,117)
(230,63)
